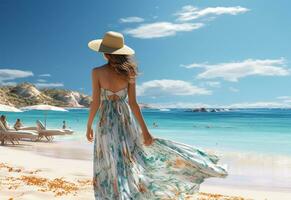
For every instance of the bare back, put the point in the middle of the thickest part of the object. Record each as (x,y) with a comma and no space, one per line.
(110,80)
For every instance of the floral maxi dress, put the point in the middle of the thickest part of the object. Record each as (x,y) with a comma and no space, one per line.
(125,169)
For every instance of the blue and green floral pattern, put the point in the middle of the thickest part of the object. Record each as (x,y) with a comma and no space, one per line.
(125,169)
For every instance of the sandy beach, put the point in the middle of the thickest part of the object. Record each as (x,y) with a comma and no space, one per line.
(214,75)
(62,170)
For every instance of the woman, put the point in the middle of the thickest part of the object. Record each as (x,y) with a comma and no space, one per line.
(128,162)
(18,125)
(64,125)
(3,119)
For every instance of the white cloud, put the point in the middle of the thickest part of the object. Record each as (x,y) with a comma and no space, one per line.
(131,20)
(7,75)
(9,83)
(161,29)
(194,65)
(166,87)
(41,80)
(47,85)
(286,99)
(261,104)
(189,12)
(44,75)
(233,71)
(232,89)
(283,97)
(215,84)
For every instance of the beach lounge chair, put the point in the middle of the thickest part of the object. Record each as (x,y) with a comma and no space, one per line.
(50,133)
(13,136)
(4,137)
(29,128)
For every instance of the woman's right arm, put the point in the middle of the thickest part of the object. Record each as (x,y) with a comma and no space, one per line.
(94,105)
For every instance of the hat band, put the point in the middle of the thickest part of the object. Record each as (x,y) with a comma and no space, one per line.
(116,44)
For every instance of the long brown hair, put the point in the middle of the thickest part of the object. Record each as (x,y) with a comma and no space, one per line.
(125,65)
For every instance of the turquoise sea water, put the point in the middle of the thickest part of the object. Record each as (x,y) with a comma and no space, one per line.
(255,130)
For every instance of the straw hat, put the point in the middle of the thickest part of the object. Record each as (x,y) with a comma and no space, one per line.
(112,43)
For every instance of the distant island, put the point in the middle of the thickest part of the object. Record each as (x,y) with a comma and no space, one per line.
(27,94)
(208,110)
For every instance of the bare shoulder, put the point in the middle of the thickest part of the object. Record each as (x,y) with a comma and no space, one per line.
(96,71)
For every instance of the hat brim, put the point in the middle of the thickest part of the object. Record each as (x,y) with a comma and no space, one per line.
(96,45)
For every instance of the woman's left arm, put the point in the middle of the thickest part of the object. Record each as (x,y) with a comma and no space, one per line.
(148,138)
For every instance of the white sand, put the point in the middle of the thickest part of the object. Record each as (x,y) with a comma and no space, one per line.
(50,167)
(6,108)
(247,193)
(73,163)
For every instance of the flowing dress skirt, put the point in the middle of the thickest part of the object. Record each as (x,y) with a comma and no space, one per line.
(125,169)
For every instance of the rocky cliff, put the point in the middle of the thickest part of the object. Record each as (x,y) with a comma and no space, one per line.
(26,94)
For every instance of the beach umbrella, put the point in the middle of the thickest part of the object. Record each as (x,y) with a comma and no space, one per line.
(6,108)
(45,108)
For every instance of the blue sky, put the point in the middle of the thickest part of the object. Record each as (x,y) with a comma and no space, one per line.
(190,53)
